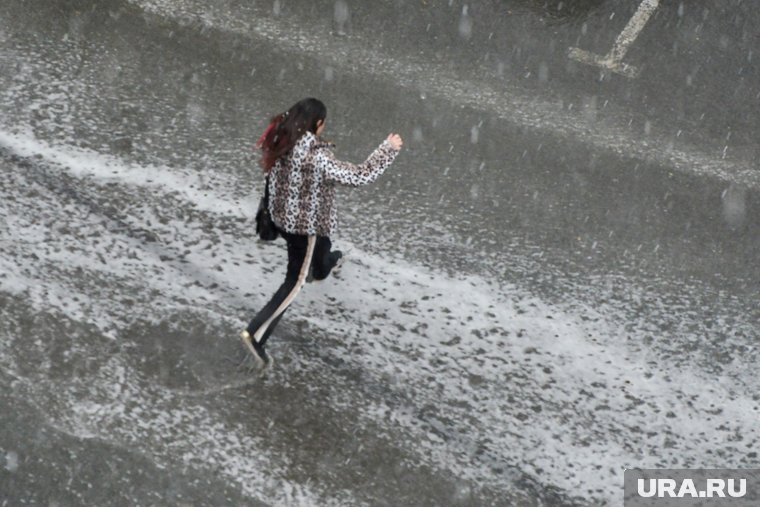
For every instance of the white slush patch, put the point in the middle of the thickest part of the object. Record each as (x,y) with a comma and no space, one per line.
(516,383)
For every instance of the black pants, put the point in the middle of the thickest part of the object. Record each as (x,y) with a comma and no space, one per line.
(320,265)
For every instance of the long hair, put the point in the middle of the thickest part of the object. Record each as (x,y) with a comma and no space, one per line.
(286,128)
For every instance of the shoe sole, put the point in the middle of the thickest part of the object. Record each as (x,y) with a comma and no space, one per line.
(247,340)
(334,270)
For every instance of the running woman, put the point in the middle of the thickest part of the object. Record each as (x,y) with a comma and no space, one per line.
(302,176)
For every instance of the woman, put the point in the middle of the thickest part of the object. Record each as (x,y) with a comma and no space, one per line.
(302,174)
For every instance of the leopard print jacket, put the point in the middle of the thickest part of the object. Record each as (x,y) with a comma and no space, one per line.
(302,184)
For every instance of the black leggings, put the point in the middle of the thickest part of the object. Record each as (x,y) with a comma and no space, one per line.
(266,320)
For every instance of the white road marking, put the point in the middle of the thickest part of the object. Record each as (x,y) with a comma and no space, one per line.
(614,59)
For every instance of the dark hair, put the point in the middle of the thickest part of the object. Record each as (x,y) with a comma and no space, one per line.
(285,129)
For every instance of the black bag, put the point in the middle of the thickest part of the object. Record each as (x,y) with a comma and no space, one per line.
(265,227)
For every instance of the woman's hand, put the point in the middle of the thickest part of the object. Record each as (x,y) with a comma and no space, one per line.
(395,141)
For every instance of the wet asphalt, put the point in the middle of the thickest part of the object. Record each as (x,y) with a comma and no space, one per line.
(540,175)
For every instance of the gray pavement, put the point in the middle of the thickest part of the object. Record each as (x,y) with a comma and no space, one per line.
(557,279)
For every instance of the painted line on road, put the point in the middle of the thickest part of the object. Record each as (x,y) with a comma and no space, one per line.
(614,59)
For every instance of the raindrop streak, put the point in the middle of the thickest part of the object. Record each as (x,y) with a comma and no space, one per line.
(341,15)
(543,72)
(277,7)
(11,461)
(465,24)
(735,206)
(474,134)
